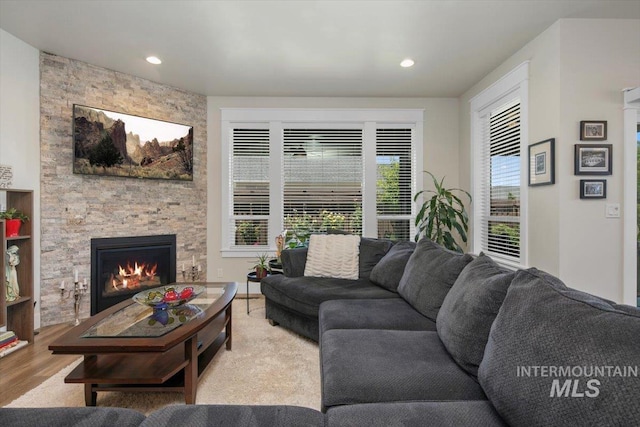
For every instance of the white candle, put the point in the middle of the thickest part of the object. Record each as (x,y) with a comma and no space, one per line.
(183,267)
(193,260)
(75,272)
(62,285)
(199,268)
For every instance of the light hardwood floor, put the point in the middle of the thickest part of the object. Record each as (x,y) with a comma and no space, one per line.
(28,367)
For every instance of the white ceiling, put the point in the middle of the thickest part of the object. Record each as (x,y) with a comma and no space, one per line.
(298,48)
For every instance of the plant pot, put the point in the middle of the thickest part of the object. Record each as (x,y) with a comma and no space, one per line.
(261,273)
(12,227)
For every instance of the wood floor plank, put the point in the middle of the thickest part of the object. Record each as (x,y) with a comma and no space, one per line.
(32,365)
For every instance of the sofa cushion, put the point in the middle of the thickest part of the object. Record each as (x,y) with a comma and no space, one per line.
(368,366)
(294,261)
(333,255)
(416,414)
(70,417)
(428,276)
(233,415)
(544,348)
(371,252)
(388,271)
(393,313)
(469,309)
(305,294)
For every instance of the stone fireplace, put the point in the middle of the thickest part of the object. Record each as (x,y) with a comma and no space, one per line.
(123,266)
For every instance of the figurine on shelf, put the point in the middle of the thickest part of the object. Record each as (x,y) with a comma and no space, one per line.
(13,259)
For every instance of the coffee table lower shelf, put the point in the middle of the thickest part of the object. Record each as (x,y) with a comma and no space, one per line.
(160,372)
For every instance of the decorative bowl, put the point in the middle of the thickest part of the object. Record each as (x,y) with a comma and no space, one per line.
(168,296)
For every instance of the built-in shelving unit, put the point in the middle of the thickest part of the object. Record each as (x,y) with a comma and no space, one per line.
(17,315)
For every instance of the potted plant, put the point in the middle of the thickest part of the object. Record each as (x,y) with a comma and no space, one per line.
(13,219)
(262,266)
(443,213)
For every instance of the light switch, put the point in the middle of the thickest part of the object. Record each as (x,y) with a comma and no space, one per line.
(612,210)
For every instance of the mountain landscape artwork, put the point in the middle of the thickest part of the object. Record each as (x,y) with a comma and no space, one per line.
(118,144)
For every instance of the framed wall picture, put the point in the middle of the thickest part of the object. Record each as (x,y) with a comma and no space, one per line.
(542,163)
(593,188)
(593,130)
(593,159)
(119,144)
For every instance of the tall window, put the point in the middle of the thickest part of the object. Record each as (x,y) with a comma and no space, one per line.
(249,166)
(313,170)
(394,183)
(498,139)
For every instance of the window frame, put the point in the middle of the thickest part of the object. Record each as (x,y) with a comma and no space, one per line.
(512,86)
(276,120)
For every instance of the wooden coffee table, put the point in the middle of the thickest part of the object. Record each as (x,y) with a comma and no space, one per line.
(129,348)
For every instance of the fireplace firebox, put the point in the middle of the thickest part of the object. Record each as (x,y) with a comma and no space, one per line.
(123,266)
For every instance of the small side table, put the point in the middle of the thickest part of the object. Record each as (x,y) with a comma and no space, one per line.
(251,277)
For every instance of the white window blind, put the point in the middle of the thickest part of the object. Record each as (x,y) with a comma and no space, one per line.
(249,187)
(499,200)
(394,182)
(323,179)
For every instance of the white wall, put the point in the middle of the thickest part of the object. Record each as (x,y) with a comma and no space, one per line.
(440,157)
(577,71)
(598,58)
(20,129)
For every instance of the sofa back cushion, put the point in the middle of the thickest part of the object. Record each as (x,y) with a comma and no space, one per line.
(557,356)
(333,255)
(371,252)
(293,261)
(469,309)
(388,271)
(428,276)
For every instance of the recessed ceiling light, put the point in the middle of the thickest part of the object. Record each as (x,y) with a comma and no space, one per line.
(154,60)
(407,63)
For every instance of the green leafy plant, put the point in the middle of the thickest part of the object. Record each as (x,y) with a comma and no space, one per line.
(441,214)
(13,213)
(262,265)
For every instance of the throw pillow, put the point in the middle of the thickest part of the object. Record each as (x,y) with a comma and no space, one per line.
(388,271)
(334,255)
(557,356)
(428,276)
(469,309)
(371,252)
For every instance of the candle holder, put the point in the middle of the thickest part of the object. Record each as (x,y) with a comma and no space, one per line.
(193,275)
(78,290)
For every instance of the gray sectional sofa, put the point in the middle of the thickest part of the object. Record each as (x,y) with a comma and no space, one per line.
(462,341)
(429,337)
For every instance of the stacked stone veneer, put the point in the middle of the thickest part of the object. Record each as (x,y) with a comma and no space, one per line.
(77,208)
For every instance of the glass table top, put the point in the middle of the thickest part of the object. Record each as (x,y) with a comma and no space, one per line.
(136,320)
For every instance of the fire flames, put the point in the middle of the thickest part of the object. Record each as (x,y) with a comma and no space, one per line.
(131,277)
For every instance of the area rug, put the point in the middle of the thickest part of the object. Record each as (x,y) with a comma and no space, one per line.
(267,366)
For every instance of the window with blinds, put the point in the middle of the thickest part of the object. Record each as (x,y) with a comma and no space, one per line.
(249,171)
(499,202)
(315,170)
(322,177)
(394,182)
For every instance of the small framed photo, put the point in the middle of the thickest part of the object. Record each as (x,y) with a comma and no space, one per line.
(593,130)
(542,163)
(593,188)
(593,159)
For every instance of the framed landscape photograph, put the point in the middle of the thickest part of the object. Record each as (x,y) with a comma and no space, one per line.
(542,163)
(593,188)
(119,144)
(593,159)
(593,130)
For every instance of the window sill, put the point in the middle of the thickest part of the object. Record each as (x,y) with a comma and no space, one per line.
(251,252)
